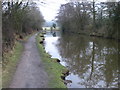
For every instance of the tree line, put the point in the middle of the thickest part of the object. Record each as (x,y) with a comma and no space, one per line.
(92,18)
(19,18)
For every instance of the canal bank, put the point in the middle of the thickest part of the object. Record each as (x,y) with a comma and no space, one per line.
(55,70)
(95,34)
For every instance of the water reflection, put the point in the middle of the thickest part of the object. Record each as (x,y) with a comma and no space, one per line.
(93,60)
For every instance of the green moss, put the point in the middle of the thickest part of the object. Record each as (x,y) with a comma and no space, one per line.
(53,68)
(10,68)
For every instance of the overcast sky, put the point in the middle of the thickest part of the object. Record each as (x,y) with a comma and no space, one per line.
(49,8)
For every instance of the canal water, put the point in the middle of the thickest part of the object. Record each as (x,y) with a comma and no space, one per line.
(92,61)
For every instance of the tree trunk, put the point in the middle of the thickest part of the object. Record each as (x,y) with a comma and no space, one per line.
(94,16)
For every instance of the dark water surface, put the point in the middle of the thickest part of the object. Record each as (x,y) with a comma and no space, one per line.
(92,61)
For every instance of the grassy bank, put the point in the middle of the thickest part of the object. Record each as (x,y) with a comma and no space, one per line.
(10,68)
(11,60)
(54,69)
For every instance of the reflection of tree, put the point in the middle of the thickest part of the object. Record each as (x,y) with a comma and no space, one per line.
(93,60)
(92,63)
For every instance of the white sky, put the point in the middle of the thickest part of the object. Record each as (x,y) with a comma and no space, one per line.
(49,8)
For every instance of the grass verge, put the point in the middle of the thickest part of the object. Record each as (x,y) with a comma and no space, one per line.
(12,58)
(54,69)
(10,68)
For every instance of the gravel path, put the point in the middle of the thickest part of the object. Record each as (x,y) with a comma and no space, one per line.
(30,72)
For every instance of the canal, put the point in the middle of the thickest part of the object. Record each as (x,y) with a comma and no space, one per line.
(92,61)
